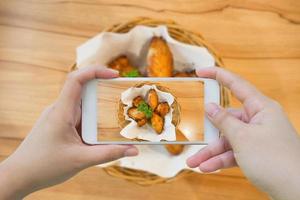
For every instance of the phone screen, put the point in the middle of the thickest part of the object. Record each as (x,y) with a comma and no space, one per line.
(152,111)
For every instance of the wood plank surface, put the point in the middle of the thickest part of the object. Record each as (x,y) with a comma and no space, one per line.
(258,39)
(221,25)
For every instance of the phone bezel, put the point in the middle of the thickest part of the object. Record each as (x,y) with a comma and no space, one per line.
(89,127)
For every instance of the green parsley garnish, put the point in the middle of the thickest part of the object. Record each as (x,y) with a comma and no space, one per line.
(132,73)
(145,108)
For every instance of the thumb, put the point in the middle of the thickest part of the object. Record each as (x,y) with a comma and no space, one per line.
(99,154)
(229,125)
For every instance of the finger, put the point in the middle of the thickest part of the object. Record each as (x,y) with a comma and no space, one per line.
(222,161)
(99,154)
(238,113)
(218,147)
(71,92)
(77,115)
(225,122)
(242,89)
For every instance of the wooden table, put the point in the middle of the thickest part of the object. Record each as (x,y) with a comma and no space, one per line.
(260,40)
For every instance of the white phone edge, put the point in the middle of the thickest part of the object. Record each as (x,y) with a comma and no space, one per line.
(89,111)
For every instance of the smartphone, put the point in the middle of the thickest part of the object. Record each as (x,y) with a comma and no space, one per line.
(111,113)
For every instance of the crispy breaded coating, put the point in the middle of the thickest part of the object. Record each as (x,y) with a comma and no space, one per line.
(176,149)
(135,114)
(162,109)
(152,99)
(157,123)
(121,64)
(159,58)
(137,100)
(142,122)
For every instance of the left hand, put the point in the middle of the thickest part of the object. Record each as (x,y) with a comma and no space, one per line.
(53,151)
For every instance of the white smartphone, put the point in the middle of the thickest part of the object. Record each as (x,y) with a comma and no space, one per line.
(106,104)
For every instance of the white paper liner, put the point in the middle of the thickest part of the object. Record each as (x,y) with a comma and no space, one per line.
(146,132)
(157,160)
(104,47)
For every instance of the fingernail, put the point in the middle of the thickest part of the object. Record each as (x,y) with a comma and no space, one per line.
(131,152)
(205,167)
(199,69)
(189,162)
(212,109)
(113,71)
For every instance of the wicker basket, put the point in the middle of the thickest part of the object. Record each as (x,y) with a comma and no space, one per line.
(182,35)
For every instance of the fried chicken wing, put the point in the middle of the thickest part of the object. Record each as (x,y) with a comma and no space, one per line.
(162,109)
(135,114)
(152,99)
(157,123)
(137,100)
(176,149)
(159,58)
(142,122)
(122,65)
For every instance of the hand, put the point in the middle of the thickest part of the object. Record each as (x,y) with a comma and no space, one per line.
(258,137)
(53,151)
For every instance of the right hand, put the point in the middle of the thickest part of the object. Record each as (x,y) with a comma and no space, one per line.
(258,138)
